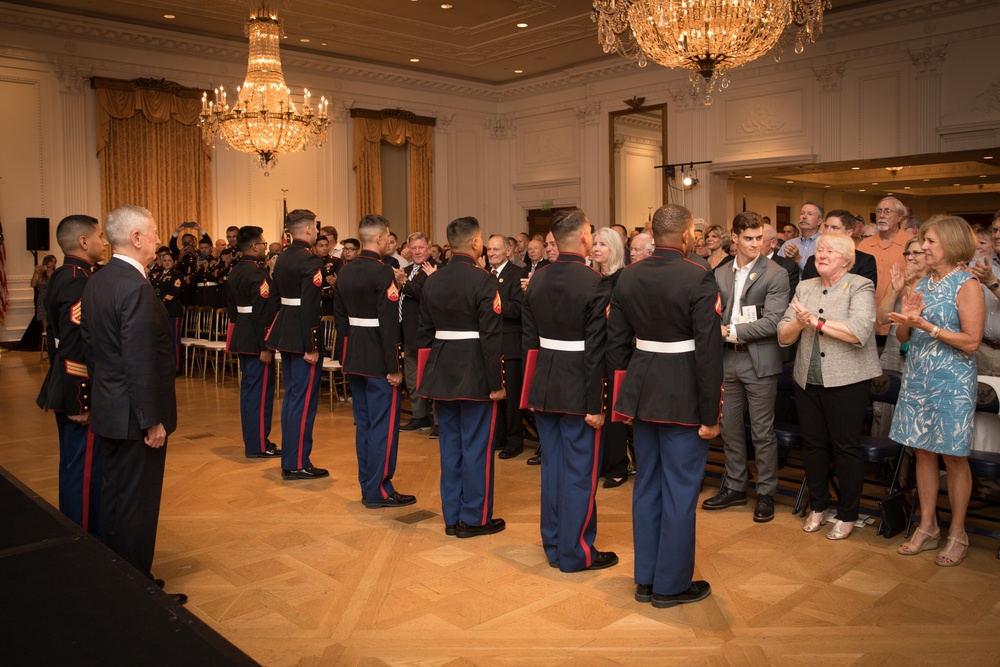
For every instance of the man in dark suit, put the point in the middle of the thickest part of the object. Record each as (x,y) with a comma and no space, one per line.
(410,282)
(461,329)
(841,222)
(664,327)
(132,368)
(66,389)
(510,434)
(366,309)
(754,297)
(535,257)
(297,333)
(564,319)
(251,311)
(769,248)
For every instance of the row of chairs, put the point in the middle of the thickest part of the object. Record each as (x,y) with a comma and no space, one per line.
(203,339)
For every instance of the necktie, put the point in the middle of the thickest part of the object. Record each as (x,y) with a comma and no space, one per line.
(494,272)
(413,272)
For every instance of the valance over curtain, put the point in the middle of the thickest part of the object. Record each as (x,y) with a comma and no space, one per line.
(396,127)
(151,151)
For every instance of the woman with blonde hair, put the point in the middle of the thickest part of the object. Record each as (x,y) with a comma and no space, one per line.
(943,321)
(609,258)
(714,243)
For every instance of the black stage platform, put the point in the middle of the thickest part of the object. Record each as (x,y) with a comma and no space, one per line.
(69,600)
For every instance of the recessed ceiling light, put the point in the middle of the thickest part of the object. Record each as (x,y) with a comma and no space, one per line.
(305,40)
(983,176)
(906,187)
(987,157)
(855,168)
(169,16)
(414,60)
(826,186)
(956,184)
(789,182)
(748,177)
(927,180)
(322,43)
(862,190)
(519,71)
(445,6)
(874,183)
(522,25)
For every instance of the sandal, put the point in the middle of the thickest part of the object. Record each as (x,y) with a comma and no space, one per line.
(948,561)
(815,520)
(838,532)
(911,549)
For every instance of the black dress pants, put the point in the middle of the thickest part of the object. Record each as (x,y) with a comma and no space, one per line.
(830,419)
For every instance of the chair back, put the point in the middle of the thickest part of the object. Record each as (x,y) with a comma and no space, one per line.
(329,332)
(885,388)
(986,399)
(205,321)
(221,327)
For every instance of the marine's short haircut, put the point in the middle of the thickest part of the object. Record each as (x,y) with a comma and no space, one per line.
(461,231)
(71,228)
(247,236)
(371,226)
(299,218)
(566,223)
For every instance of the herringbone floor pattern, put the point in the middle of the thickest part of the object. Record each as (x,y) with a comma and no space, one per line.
(299,573)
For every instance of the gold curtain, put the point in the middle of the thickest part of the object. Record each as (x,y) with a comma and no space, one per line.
(151,151)
(369,132)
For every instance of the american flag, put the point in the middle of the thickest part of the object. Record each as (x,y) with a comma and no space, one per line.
(3,276)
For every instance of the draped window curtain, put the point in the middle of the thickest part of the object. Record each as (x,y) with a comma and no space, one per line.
(151,151)
(397,127)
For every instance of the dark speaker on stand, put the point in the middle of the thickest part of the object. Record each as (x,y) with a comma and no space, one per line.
(37,234)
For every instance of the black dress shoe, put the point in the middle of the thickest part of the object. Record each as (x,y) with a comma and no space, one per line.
(463,529)
(698,590)
(449,529)
(510,452)
(612,482)
(554,563)
(433,435)
(397,499)
(643,592)
(180,598)
(420,424)
(763,511)
(312,472)
(535,460)
(269,452)
(159,582)
(603,559)
(725,498)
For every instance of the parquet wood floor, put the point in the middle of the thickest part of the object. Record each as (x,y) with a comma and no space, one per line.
(299,573)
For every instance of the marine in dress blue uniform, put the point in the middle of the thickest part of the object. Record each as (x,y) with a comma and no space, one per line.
(665,329)
(66,389)
(298,335)
(366,309)
(461,327)
(251,311)
(564,319)
(168,284)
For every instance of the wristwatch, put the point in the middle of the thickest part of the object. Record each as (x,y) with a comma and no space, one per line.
(993,285)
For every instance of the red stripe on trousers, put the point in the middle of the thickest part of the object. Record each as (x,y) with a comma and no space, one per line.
(305,411)
(594,475)
(489,465)
(88,462)
(388,441)
(263,397)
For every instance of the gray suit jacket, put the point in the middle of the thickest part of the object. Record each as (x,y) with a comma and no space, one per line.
(766,289)
(851,300)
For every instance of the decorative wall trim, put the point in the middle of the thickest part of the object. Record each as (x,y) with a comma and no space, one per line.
(554,183)
(500,127)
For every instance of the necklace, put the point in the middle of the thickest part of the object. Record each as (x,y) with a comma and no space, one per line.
(932,284)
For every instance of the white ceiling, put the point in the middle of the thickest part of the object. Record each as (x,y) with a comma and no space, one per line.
(476,40)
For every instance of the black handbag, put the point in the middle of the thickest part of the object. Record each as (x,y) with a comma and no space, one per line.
(894,514)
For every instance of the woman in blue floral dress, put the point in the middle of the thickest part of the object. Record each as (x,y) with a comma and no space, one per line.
(943,320)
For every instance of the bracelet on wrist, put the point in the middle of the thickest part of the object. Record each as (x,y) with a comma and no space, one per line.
(935,332)
(820,321)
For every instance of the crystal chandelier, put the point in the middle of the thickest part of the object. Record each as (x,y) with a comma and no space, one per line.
(264,120)
(707,37)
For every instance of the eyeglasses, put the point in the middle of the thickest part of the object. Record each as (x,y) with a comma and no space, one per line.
(914,253)
(263,243)
(880,211)
(865,236)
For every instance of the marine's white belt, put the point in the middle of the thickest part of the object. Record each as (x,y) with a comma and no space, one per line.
(456,335)
(291,302)
(563,345)
(244,309)
(659,347)
(366,322)
(57,342)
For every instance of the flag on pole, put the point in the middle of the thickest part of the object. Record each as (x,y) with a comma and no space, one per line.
(3,276)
